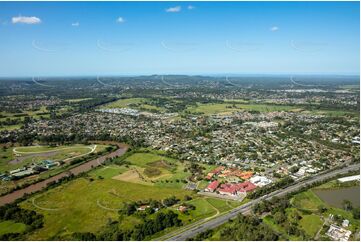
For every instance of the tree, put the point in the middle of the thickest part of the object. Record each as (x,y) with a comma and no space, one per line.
(321,208)
(347,205)
(279,217)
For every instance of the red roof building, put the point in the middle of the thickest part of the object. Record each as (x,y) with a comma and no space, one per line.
(228,189)
(247,186)
(212,186)
(235,189)
(218,170)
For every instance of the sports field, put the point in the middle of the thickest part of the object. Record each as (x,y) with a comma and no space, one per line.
(15,157)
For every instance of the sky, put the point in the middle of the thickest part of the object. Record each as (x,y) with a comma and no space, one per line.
(136,38)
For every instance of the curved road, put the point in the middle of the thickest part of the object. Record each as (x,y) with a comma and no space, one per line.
(198,228)
(11,197)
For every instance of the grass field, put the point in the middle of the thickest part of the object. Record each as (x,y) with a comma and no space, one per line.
(88,203)
(154,169)
(306,200)
(226,108)
(11,227)
(42,112)
(83,205)
(11,127)
(140,103)
(311,224)
(229,107)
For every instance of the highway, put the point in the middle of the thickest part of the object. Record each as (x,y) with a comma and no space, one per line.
(197,228)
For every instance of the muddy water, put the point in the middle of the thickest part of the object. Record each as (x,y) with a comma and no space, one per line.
(335,197)
(11,197)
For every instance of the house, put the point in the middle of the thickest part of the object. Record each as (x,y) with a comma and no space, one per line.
(182,209)
(212,186)
(209,176)
(345,223)
(218,170)
(246,175)
(143,207)
(48,164)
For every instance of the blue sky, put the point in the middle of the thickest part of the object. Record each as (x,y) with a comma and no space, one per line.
(132,38)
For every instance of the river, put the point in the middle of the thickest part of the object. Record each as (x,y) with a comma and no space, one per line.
(335,197)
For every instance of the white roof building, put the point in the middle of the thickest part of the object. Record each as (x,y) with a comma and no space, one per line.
(260,181)
(337,233)
(349,178)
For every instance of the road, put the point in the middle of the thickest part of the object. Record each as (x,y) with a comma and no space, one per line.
(198,228)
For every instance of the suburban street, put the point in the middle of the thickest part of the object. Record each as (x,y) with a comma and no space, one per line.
(198,228)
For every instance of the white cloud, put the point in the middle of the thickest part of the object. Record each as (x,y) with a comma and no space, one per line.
(120,20)
(190,7)
(274,28)
(25,20)
(174,9)
(76,24)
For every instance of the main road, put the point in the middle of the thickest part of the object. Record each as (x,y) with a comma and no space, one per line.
(192,231)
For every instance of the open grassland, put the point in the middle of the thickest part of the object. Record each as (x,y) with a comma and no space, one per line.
(11,227)
(306,200)
(11,127)
(87,204)
(42,112)
(227,108)
(206,208)
(137,103)
(311,224)
(230,107)
(154,169)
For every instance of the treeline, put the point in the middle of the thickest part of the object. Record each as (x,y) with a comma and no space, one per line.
(94,102)
(141,231)
(248,228)
(17,214)
(270,188)
(276,207)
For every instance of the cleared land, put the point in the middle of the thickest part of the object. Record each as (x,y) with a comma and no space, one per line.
(226,108)
(154,169)
(88,203)
(136,103)
(11,227)
(230,107)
